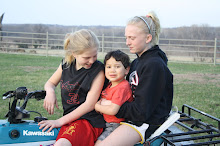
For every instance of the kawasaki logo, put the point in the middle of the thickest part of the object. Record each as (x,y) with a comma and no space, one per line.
(37,133)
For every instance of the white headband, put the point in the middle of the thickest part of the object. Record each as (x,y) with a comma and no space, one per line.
(144,22)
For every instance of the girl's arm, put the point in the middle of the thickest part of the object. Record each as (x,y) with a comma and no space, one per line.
(87,106)
(50,99)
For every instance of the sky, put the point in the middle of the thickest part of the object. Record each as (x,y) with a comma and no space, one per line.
(172,13)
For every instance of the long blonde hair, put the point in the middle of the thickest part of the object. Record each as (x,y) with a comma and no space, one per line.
(149,24)
(78,42)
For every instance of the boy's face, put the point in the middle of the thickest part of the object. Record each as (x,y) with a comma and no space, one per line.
(115,72)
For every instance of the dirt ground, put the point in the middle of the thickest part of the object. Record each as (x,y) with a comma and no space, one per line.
(198,77)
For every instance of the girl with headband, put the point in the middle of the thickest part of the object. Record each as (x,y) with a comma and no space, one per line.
(151,82)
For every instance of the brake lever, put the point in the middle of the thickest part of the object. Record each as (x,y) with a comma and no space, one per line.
(5,94)
(8,94)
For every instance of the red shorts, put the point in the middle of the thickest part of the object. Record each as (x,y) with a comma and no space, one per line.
(80,132)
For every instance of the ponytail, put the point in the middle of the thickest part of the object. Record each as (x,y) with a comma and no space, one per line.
(69,58)
(155,27)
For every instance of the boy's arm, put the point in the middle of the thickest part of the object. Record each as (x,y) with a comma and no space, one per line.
(111,109)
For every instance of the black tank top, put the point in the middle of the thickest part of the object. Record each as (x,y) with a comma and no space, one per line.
(75,84)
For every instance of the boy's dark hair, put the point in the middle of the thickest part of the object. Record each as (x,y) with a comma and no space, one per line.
(119,56)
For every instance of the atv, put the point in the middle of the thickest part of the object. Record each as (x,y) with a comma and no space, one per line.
(15,131)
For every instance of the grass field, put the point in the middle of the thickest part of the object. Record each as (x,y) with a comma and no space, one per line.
(197,85)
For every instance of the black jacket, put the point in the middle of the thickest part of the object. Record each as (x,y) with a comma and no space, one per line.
(152,87)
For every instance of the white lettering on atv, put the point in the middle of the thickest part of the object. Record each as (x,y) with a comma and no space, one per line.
(37,133)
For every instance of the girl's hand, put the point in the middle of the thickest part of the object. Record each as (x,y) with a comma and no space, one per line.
(49,102)
(51,99)
(49,124)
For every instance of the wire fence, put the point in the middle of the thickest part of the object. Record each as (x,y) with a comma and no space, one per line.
(182,50)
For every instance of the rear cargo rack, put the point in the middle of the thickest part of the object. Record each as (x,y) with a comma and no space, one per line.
(188,130)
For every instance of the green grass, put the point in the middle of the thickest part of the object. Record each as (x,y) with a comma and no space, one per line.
(185,68)
(29,71)
(197,85)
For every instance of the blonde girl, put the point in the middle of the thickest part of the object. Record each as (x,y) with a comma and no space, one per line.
(81,79)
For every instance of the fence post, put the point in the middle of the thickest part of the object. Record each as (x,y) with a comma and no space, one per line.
(215,51)
(32,41)
(103,39)
(1,44)
(0,36)
(47,42)
(169,44)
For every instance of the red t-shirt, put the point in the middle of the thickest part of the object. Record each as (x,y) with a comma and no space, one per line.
(118,95)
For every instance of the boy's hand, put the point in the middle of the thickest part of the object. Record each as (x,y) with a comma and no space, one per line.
(105,102)
(97,107)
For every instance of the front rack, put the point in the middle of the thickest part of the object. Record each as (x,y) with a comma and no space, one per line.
(192,130)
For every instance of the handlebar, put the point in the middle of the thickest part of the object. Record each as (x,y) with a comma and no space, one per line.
(21,93)
(15,113)
(38,94)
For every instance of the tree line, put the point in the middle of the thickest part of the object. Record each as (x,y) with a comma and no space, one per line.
(199,32)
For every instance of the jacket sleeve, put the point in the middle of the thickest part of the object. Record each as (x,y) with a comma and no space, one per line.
(147,95)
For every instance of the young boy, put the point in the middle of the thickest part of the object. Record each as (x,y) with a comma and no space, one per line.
(118,91)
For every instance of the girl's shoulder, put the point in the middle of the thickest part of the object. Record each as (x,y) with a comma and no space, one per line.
(64,64)
(97,64)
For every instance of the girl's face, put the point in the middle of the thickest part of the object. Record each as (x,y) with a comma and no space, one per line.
(136,40)
(86,59)
(115,71)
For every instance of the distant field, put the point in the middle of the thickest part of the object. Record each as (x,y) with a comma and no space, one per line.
(197,85)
